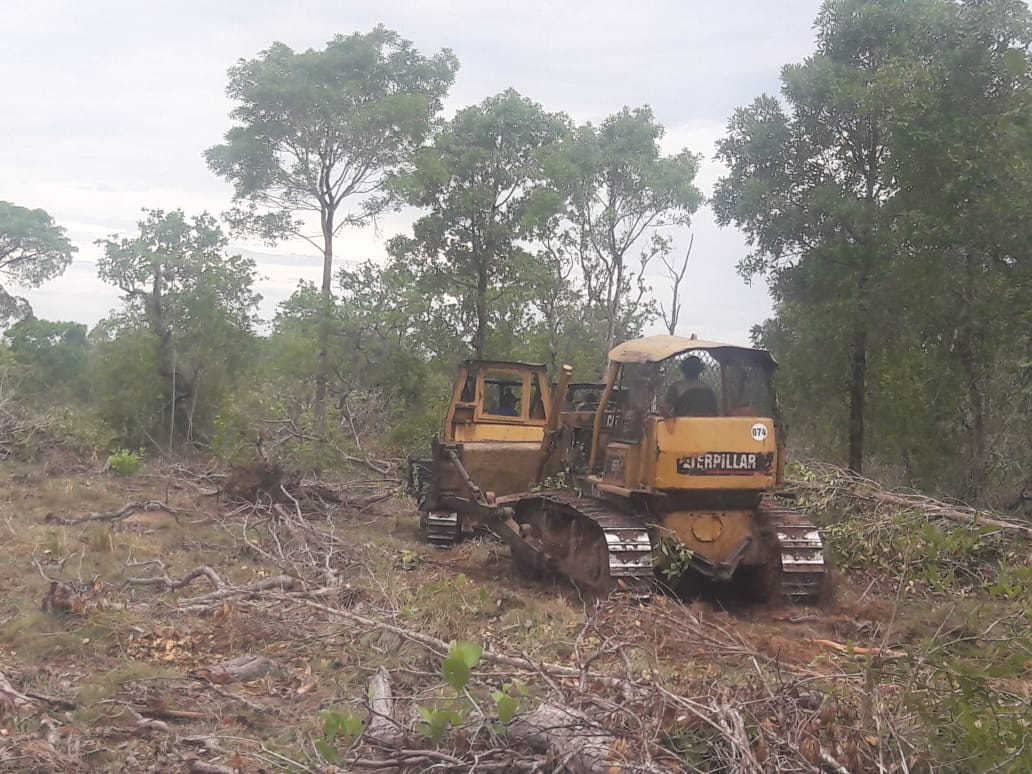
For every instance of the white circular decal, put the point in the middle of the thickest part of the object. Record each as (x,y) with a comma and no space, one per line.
(759,432)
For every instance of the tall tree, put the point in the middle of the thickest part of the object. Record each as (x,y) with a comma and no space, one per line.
(33,249)
(963,133)
(616,194)
(193,302)
(476,179)
(812,182)
(319,129)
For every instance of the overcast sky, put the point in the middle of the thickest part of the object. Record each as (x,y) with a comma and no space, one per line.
(107,106)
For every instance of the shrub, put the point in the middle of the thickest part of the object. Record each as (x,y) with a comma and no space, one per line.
(125,463)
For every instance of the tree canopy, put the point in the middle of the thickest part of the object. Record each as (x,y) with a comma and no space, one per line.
(316,129)
(33,249)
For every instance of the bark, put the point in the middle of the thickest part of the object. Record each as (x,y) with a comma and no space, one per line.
(569,737)
(968,346)
(242,669)
(322,369)
(857,393)
(480,334)
(382,727)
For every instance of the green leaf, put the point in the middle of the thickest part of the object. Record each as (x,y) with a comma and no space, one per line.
(456,672)
(506,704)
(1015,62)
(327,751)
(468,652)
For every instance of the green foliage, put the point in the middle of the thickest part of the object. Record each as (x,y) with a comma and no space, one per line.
(960,689)
(462,657)
(435,721)
(887,199)
(507,706)
(339,729)
(125,463)
(359,108)
(54,352)
(33,249)
(316,129)
(183,333)
(456,668)
(675,558)
(610,194)
(476,179)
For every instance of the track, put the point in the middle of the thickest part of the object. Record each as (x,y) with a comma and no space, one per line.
(597,547)
(802,572)
(602,549)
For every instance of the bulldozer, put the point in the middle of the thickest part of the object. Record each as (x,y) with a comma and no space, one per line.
(671,465)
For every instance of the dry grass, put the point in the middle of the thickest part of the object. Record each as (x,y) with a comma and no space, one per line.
(139,651)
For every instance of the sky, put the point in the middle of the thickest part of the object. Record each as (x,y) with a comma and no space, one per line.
(107,106)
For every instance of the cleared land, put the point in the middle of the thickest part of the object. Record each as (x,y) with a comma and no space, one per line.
(241,624)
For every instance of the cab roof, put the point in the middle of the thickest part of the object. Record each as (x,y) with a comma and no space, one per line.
(653,349)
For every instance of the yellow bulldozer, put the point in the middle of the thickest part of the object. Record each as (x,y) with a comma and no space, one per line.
(672,463)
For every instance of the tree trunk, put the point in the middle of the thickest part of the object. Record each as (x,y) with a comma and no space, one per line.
(480,334)
(970,342)
(857,393)
(571,737)
(322,365)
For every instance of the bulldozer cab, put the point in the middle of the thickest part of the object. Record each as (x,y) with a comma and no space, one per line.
(691,415)
(498,401)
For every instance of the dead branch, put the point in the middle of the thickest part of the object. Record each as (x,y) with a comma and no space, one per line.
(843,482)
(382,467)
(736,752)
(167,584)
(10,697)
(126,510)
(278,582)
(243,669)
(883,653)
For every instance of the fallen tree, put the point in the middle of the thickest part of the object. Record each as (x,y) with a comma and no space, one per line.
(827,481)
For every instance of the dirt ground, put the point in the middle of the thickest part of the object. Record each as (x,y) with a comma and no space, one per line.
(127,670)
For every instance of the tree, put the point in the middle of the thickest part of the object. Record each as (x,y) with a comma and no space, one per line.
(477,178)
(812,186)
(616,192)
(888,199)
(675,273)
(963,130)
(55,352)
(317,129)
(33,249)
(187,304)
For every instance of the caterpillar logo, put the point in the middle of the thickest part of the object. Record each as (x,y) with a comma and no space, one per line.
(725,463)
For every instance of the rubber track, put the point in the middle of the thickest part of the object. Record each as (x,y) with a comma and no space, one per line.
(802,570)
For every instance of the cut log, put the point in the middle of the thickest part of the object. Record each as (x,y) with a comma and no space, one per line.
(242,669)
(569,737)
(382,728)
